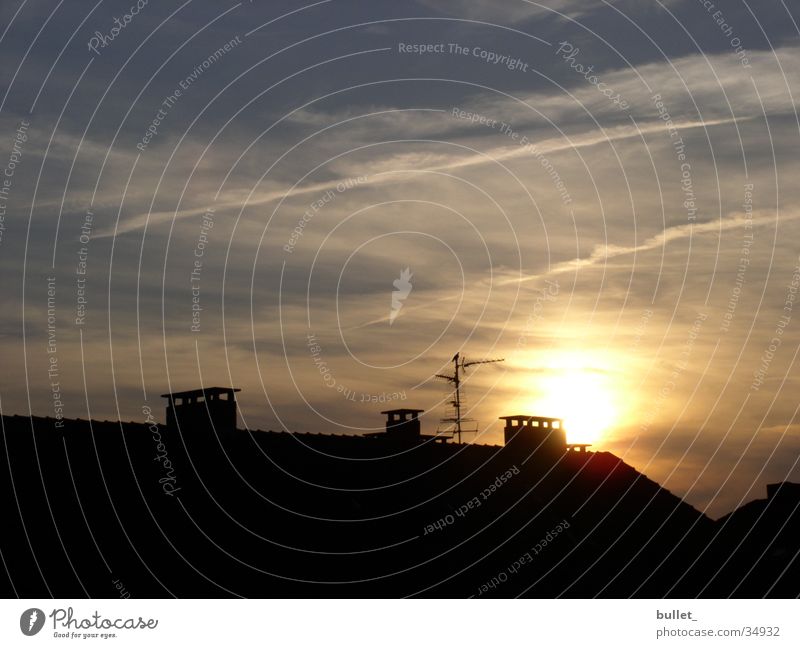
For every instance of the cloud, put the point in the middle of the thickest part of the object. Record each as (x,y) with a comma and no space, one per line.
(709,78)
(518,11)
(423,162)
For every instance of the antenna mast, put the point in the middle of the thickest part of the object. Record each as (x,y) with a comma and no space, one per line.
(459,367)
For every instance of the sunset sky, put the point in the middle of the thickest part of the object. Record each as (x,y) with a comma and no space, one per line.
(604,194)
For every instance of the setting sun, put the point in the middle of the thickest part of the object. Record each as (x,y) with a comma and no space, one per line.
(576,388)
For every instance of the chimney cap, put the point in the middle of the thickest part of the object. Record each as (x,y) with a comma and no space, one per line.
(403,410)
(201,392)
(528,417)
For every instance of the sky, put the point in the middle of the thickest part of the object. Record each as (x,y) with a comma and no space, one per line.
(321,203)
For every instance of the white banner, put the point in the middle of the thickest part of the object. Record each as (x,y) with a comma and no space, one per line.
(399,623)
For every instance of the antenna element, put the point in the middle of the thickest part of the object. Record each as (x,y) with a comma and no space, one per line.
(459,367)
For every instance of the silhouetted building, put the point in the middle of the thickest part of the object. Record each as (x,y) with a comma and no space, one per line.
(213,408)
(320,515)
(540,434)
(783,489)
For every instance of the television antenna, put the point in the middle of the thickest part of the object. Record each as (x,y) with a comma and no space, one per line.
(460,365)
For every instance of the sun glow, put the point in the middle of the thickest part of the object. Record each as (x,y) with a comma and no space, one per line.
(577,389)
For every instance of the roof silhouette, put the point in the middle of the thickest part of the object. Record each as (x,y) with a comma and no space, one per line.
(203,512)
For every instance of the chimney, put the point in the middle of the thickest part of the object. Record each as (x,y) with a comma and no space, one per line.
(403,424)
(540,434)
(212,410)
(783,490)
